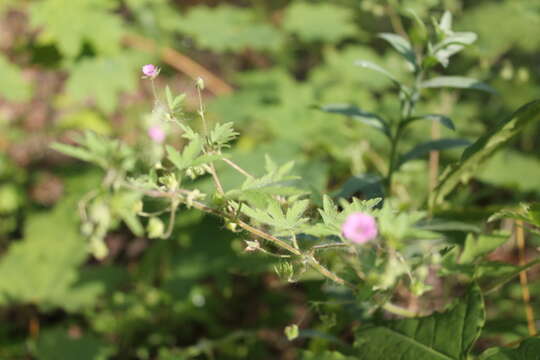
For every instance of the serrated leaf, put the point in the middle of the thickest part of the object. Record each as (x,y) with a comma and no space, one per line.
(441,336)
(458,82)
(185,159)
(443,120)
(402,46)
(529,349)
(222,135)
(102,79)
(95,23)
(484,147)
(428,146)
(356,113)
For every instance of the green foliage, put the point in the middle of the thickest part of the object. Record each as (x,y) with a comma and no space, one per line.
(86,80)
(227,28)
(483,148)
(445,336)
(95,24)
(528,349)
(14,87)
(318,22)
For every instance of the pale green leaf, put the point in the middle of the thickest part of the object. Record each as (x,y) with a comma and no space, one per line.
(458,82)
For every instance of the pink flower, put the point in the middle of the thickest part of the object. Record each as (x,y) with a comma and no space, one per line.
(157,134)
(359,228)
(150,70)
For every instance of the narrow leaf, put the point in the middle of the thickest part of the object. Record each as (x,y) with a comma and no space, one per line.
(529,349)
(443,120)
(402,46)
(425,148)
(356,113)
(458,82)
(380,70)
(478,152)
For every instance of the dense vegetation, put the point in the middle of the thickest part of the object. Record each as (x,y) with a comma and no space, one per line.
(202,209)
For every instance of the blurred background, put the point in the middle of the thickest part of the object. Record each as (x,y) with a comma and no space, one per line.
(71,65)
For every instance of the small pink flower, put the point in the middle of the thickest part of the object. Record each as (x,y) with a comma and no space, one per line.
(150,70)
(157,134)
(359,228)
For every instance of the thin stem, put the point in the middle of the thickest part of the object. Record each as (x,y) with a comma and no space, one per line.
(329,246)
(172,216)
(398,310)
(211,167)
(237,168)
(529,313)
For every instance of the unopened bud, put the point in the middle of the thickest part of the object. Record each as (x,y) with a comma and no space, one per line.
(199,83)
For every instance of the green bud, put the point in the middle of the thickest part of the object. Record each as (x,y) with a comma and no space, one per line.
(155,228)
(291,332)
(98,248)
(199,83)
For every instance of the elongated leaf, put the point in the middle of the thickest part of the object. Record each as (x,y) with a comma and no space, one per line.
(380,70)
(441,336)
(443,120)
(74,151)
(356,113)
(529,349)
(484,147)
(476,247)
(493,274)
(458,82)
(425,148)
(402,46)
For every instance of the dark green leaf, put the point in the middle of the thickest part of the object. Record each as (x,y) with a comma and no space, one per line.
(484,147)
(433,145)
(529,349)
(477,246)
(356,113)
(443,120)
(441,336)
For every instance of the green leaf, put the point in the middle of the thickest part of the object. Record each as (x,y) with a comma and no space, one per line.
(324,22)
(428,146)
(529,349)
(73,151)
(325,355)
(222,135)
(48,256)
(54,344)
(441,336)
(14,87)
(190,152)
(372,66)
(493,274)
(228,28)
(477,246)
(102,79)
(458,82)
(364,117)
(80,21)
(443,120)
(484,147)
(402,46)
